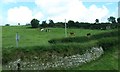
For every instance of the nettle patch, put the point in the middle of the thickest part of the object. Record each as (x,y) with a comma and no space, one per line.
(56,61)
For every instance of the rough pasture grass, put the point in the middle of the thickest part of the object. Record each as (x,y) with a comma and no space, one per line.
(109,61)
(28,36)
(34,37)
(29,53)
(84,38)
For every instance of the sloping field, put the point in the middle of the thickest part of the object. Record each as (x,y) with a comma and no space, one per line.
(34,44)
(34,37)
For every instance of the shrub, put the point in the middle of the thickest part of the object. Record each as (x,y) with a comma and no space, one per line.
(11,54)
(7,25)
(108,43)
(84,38)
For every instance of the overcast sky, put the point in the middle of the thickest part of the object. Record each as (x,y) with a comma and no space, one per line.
(23,11)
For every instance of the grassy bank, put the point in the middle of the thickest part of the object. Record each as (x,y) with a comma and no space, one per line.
(35,43)
(11,54)
(109,61)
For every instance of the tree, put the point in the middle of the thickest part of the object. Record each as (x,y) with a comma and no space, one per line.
(71,23)
(51,23)
(7,25)
(34,23)
(18,23)
(77,22)
(118,20)
(97,21)
(112,19)
(44,24)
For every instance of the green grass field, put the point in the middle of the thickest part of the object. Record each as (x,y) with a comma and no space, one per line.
(29,38)
(34,37)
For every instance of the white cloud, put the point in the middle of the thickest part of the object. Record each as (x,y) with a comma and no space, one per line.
(96,13)
(20,14)
(38,15)
(58,10)
(50,6)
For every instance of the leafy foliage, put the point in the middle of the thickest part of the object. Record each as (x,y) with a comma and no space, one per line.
(7,25)
(118,20)
(34,23)
(70,23)
(84,38)
(112,19)
(44,24)
(51,23)
(97,21)
(107,43)
(58,49)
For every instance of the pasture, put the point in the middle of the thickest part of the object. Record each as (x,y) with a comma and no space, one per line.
(34,37)
(33,42)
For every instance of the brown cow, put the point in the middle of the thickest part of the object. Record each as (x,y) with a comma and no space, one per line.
(72,34)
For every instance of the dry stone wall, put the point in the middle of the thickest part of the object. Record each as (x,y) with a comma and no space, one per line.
(59,62)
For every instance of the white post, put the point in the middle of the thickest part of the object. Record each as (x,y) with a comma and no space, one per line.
(17,39)
(65,29)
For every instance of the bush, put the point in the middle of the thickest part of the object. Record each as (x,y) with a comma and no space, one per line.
(11,54)
(108,43)
(84,38)
(7,25)
(69,40)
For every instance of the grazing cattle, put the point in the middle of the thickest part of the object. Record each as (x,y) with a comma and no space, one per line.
(72,33)
(88,34)
(47,30)
(44,29)
(41,29)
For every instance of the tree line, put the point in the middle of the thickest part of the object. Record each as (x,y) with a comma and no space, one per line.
(112,23)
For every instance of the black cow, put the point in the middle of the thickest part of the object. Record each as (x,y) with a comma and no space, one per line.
(88,34)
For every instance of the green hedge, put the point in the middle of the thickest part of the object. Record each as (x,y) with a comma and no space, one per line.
(108,43)
(69,40)
(11,54)
(84,38)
